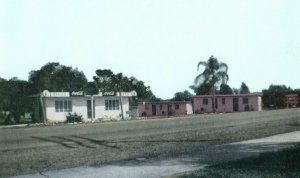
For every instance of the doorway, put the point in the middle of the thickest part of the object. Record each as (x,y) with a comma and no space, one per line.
(89,109)
(235,104)
(153,109)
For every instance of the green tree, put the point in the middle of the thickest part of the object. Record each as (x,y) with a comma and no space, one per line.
(56,77)
(214,74)
(14,99)
(244,89)
(203,89)
(106,80)
(103,80)
(225,89)
(91,88)
(182,96)
(275,96)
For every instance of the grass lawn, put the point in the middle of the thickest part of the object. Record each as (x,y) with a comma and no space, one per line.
(34,149)
(284,163)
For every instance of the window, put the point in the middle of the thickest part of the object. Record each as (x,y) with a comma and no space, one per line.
(63,106)
(245,100)
(160,107)
(176,106)
(111,104)
(223,101)
(205,101)
(147,107)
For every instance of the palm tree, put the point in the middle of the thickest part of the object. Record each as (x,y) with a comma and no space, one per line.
(214,74)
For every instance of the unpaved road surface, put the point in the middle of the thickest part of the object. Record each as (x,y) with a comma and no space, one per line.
(37,149)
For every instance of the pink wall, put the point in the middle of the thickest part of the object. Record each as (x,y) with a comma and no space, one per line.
(254,103)
(161,108)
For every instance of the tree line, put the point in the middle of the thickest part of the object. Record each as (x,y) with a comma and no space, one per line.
(213,80)
(17,96)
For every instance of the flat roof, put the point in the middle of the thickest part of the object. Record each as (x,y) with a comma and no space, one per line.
(48,94)
(232,95)
(164,102)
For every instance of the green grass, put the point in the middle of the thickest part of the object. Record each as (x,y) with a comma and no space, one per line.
(284,163)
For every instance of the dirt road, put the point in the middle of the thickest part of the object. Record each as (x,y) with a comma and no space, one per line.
(35,149)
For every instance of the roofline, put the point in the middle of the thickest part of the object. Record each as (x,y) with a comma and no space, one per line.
(163,102)
(231,95)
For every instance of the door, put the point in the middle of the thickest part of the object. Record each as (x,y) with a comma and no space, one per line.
(235,104)
(89,109)
(153,109)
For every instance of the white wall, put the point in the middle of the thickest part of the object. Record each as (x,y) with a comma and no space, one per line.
(100,111)
(79,106)
(189,108)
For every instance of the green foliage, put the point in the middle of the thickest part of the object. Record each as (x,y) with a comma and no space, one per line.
(14,99)
(202,89)
(274,97)
(182,96)
(225,89)
(74,118)
(244,89)
(91,88)
(106,80)
(56,77)
(214,74)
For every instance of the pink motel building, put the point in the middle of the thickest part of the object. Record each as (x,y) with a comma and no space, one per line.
(164,108)
(202,104)
(227,103)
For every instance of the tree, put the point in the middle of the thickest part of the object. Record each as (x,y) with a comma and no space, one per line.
(56,77)
(182,96)
(225,89)
(103,80)
(203,89)
(275,96)
(214,74)
(14,99)
(106,80)
(244,89)
(91,88)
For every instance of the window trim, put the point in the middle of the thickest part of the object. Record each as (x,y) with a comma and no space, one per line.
(112,105)
(245,100)
(205,101)
(63,106)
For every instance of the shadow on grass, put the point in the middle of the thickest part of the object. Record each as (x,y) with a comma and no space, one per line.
(98,142)
(284,163)
(69,142)
(53,141)
(74,141)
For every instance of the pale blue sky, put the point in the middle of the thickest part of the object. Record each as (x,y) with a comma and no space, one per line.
(157,41)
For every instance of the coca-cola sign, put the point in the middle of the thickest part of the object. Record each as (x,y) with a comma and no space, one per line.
(77,93)
(108,93)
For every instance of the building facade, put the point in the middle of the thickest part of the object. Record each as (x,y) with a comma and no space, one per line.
(164,108)
(292,100)
(105,106)
(227,103)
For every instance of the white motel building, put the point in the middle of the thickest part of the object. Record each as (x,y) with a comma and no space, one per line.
(104,106)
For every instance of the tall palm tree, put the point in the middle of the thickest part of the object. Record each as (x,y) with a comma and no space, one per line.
(215,74)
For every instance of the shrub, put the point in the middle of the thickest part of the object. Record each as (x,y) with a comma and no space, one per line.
(74,117)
